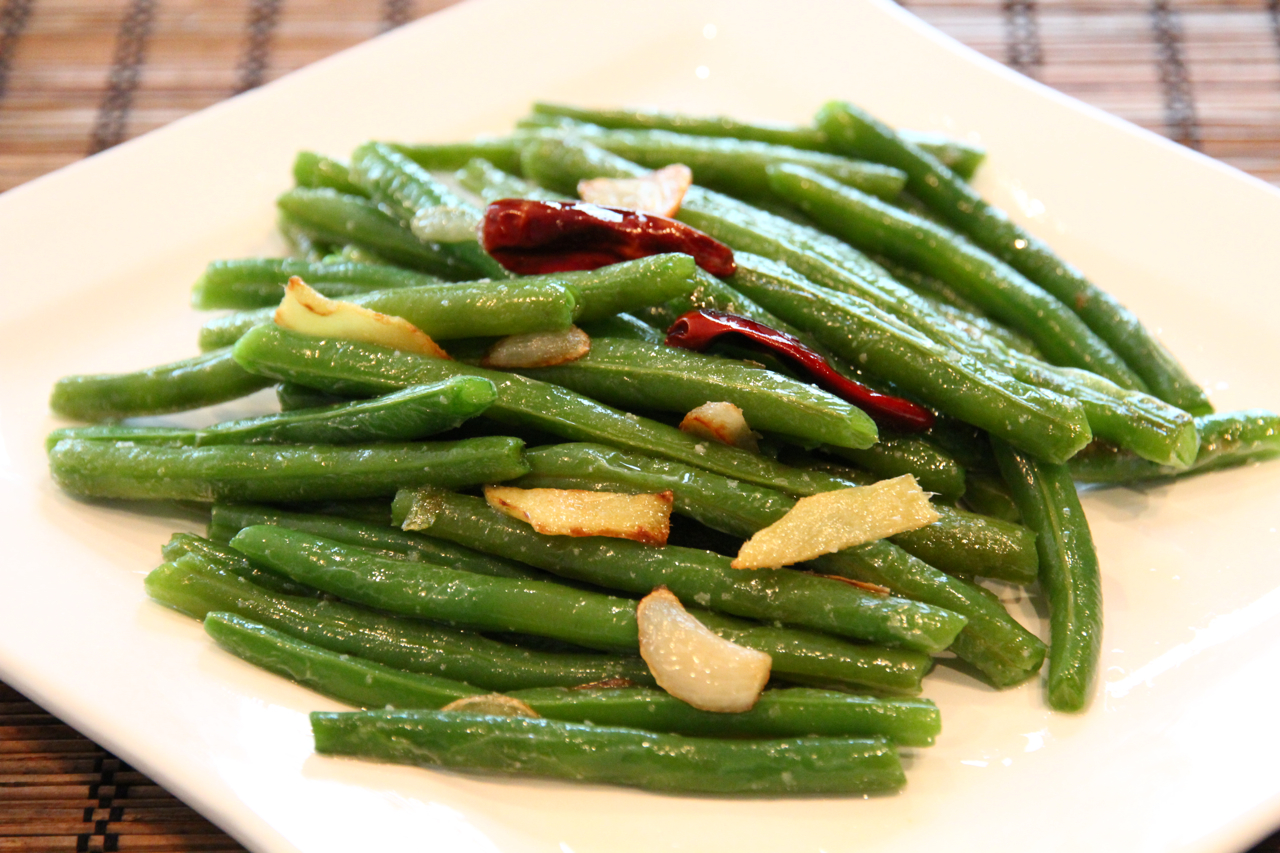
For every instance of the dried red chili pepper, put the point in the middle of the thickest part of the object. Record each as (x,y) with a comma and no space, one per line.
(697,330)
(531,237)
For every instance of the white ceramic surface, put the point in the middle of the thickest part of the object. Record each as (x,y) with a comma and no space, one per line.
(1180,748)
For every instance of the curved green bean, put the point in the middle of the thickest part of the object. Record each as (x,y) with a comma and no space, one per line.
(529,746)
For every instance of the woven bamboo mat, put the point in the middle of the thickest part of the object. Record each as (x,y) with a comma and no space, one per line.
(78,77)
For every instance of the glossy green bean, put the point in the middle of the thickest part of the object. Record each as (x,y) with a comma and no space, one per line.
(640,375)
(230,519)
(406,189)
(491,183)
(107,469)
(351,368)
(317,171)
(247,283)
(624,326)
(999,290)
(860,135)
(214,377)
(502,151)
(330,217)
(786,712)
(230,560)
(962,157)
(1227,439)
(894,455)
(547,608)
(539,747)
(291,396)
(196,588)
(701,577)
(1047,499)
(739,168)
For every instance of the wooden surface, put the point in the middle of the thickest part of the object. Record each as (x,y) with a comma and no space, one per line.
(78,77)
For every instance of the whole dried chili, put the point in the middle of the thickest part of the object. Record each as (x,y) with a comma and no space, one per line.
(697,330)
(530,237)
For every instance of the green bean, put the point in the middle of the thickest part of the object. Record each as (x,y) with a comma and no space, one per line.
(328,216)
(232,561)
(625,327)
(962,157)
(702,577)
(195,588)
(636,374)
(895,455)
(1227,439)
(858,134)
(738,167)
(316,171)
(988,495)
(1042,422)
(544,608)
(291,396)
(214,377)
(998,289)
(415,412)
(259,282)
(1047,499)
(540,747)
(502,151)
(302,243)
(491,183)
(787,712)
(992,640)
(346,367)
(406,190)
(532,303)
(106,469)
(425,591)
(230,519)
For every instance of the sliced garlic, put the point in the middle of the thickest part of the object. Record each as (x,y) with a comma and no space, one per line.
(538,349)
(310,313)
(722,422)
(831,521)
(578,512)
(692,663)
(657,192)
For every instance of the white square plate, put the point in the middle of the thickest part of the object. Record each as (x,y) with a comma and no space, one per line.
(1180,747)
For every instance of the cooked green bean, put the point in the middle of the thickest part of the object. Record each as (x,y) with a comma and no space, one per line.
(999,290)
(544,608)
(893,455)
(502,151)
(739,168)
(316,171)
(345,367)
(108,469)
(624,326)
(860,135)
(196,588)
(291,396)
(406,189)
(1047,499)
(491,183)
(230,560)
(328,216)
(702,577)
(580,752)
(787,712)
(214,377)
(229,519)
(640,375)
(1227,439)
(962,157)
(248,283)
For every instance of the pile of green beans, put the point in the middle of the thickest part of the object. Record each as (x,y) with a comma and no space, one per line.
(347,549)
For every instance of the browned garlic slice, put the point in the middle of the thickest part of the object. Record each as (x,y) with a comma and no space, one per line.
(722,422)
(578,512)
(831,521)
(657,192)
(491,705)
(311,313)
(538,349)
(692,663)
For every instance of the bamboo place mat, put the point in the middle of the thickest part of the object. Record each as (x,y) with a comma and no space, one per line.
(78,77)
